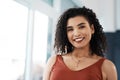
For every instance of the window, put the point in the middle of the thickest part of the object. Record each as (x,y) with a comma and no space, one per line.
(13,27)
(16,21)
(39,44)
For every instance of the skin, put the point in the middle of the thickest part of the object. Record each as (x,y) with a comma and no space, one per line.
(79,33)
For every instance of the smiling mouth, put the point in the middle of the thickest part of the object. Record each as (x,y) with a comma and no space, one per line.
(78,39)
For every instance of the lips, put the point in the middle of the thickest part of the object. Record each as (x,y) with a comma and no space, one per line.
(79,39)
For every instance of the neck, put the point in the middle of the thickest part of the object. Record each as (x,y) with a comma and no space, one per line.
(81,53)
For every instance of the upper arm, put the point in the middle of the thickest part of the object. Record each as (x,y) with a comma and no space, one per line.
(109,70)
(48,67)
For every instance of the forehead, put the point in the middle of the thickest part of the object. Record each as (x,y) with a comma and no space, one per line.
(76,20)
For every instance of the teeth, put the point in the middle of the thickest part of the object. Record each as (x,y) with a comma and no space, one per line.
(78,39)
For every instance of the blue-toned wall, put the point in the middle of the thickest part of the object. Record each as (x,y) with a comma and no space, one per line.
(113,53)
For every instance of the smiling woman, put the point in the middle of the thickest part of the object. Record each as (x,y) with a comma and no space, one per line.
(81,42)
(79,31)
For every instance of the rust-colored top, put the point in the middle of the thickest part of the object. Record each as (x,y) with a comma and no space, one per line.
(61,72)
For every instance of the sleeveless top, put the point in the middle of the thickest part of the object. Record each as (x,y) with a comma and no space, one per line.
(61,72)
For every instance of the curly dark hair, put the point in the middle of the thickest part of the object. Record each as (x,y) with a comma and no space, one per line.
(98,40)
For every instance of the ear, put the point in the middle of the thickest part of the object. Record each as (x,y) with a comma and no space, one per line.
(92,29)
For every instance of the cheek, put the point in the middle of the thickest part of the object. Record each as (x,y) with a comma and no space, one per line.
(89,36)
(69,35)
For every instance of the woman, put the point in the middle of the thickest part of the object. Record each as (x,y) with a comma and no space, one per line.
(81,44)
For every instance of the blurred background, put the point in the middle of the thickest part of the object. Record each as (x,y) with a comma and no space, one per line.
(27,30)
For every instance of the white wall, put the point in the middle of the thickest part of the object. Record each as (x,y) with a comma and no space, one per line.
(118,14)
(105,11)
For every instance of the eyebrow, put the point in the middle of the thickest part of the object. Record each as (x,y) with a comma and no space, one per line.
(77,25)
(80,24)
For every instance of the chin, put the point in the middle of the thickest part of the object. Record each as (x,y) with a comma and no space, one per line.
(80,46)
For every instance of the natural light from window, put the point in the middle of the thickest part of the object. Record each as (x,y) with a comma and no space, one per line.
(13,27)
(40,38)
(13,33)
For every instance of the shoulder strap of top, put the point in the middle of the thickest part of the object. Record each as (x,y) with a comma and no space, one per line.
(57,61)
(100,62)
(59,58)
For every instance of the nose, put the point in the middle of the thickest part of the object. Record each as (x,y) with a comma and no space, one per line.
(77,33)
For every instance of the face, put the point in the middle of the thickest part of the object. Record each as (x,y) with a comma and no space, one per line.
(79,32)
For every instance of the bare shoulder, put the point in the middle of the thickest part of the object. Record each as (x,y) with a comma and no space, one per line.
(51,60)
(109,69)
(48,67)
(108,64)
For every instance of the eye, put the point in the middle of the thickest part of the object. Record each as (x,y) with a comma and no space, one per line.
(82,26)
(69,29)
